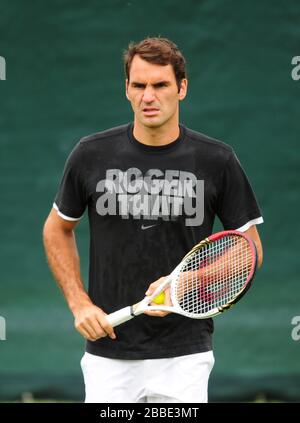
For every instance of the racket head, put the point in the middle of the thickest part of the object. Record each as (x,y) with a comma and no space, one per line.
(214,275)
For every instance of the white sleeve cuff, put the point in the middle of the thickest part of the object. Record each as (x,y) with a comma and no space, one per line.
(248,225)
(72,219)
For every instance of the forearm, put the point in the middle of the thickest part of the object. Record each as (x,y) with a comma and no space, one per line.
(63,259)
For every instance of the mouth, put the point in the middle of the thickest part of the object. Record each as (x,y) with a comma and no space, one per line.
(150,111)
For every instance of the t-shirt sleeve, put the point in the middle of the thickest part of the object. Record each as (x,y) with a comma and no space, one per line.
(237,205)
(71,198)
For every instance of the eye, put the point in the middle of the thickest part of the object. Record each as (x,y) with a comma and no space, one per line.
(161,85)
(138,86)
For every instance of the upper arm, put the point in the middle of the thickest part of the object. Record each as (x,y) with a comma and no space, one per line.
(55,222)
(72,196)
(236,203)
(252,232)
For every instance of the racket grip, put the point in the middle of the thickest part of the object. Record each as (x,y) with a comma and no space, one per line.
(120,316)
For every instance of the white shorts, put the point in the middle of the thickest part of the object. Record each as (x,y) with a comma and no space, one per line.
(179,379)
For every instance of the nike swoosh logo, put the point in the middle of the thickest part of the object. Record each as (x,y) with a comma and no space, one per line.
(147,227)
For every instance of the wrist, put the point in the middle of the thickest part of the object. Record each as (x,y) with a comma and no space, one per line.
(81,301)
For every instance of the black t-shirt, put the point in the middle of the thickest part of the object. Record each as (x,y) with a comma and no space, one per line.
(148,206)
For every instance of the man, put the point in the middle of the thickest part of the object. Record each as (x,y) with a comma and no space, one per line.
(143,186)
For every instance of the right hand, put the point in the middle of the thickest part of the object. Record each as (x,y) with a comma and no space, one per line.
(91,323)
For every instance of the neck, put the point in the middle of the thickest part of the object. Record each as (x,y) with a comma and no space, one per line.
(156,136)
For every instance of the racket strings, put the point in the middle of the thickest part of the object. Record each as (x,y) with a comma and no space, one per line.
(214,275)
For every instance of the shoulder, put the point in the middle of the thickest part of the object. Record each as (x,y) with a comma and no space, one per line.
(90,146)
(213,152)
(205,141)
(107,134)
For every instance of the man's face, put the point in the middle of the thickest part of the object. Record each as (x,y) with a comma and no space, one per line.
(153,93)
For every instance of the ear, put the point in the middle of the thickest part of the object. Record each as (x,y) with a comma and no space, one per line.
(126,89)
(183,89)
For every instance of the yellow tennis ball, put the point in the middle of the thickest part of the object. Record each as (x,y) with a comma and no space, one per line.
(159,299)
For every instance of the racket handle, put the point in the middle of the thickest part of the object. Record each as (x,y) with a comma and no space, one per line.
(120,316)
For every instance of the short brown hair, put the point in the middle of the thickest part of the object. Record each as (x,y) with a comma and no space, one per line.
(159,51)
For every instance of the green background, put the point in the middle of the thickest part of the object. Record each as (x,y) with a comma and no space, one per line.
(65,80)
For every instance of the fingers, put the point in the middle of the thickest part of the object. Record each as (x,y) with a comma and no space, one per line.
(108,329)
(167,299)
(156,313)
(90,322)
(87,330)
(152,287)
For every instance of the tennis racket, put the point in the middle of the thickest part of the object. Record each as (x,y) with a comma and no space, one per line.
(212,277)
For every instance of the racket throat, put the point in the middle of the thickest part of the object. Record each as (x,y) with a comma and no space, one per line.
(139,308)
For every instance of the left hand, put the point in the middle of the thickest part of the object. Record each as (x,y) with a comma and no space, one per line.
(152,287)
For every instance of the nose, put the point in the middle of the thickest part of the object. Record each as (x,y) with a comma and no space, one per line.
(148,95)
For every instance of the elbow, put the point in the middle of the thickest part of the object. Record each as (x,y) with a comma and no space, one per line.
(45,230)
(253,234)
(260,257)
(45,233)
